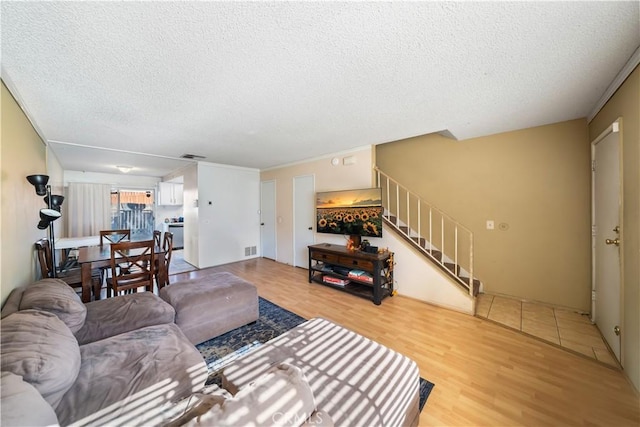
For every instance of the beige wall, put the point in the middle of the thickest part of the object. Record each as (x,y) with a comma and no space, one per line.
(625,103)
(22,153)
(327,178)
(535,180)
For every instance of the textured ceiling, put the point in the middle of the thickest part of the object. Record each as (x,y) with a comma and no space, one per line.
(261,84)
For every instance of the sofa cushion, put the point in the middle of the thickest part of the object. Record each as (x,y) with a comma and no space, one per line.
(281,397)
(55,296)
(120,314)
(123,376)
(40,347)
(12,303)
(22,405)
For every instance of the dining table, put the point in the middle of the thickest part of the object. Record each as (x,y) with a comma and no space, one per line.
(91,257)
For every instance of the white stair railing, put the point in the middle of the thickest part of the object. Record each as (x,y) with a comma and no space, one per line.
(445,241)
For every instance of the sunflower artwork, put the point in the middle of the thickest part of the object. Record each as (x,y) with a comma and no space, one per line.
(352,212)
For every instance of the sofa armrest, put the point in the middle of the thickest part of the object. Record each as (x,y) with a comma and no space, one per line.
(114,316)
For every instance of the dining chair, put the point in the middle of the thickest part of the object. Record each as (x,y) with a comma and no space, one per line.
(157,237)
(132,267)
(71,276)
(108,237)
(167,248)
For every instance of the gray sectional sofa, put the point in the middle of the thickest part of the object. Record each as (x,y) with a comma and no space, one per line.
(124,362)
(64,361)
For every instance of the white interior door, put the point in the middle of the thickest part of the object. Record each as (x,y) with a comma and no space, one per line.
(268,219)
(607,236)
(303,218)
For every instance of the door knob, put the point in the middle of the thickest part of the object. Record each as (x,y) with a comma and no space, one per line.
(615,241)
(616,329)
(616,229)
(310,228)
(262,223)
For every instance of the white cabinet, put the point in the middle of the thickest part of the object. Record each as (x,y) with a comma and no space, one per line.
(170,194)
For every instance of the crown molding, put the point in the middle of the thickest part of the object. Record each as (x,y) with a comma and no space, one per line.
(628,68)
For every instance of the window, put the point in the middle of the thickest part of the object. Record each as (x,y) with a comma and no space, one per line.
(133,209)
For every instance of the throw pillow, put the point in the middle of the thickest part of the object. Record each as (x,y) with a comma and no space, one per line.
(281,397)
(40,348)
(55,296)
(22,405)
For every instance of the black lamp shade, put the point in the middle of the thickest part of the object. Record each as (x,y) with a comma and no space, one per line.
(56,201)
(40,183)
(47,216)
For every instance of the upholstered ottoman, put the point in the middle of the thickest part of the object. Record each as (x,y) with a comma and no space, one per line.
(212,305)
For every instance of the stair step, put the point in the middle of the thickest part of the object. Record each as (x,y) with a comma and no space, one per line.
(449,267)
(454,268)
(476,285)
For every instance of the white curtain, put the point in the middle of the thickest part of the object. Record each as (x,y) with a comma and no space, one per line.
(89,209)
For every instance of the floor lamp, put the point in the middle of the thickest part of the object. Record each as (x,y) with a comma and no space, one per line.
(48,215)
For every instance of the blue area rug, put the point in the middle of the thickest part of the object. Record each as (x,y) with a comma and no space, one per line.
(273,321)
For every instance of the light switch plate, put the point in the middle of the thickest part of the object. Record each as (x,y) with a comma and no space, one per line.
(490,224)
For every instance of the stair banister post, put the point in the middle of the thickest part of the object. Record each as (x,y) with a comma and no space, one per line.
(388,197)
(430,231)
(471,276)
(419,203)
(397,201)
(408,215)
(455,247)
(442,236)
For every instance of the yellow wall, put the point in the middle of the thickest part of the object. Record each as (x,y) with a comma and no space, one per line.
(22,153)
(625,103)
(537,181)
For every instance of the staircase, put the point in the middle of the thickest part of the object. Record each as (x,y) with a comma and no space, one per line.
(438,237)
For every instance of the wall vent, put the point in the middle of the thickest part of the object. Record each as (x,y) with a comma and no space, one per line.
(247,251)
(192,156)
(254,250)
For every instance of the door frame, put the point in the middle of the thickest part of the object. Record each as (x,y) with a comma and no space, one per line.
(275,221)
(615,127)
(294,235)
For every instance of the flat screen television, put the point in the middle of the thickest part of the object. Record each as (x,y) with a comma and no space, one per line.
(350,212)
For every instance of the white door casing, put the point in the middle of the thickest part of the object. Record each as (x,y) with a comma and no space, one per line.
(268,219)
(607,235)
(303,218)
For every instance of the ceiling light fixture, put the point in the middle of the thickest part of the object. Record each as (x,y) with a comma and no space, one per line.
(124,169)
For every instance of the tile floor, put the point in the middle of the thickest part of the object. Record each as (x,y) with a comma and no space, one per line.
(567,329)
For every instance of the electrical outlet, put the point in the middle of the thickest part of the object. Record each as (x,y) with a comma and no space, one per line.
(490,224)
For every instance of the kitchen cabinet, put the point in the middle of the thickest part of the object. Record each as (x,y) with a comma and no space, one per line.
(170,194)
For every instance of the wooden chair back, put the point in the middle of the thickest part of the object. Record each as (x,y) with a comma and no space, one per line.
(114,236)
(162,277)
(44,257)
(167,247)
(157,237)
(132,266)
(71,276)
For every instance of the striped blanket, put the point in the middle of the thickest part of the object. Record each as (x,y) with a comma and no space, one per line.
(355,380)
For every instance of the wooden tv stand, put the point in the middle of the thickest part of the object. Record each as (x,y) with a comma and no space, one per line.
(325,259)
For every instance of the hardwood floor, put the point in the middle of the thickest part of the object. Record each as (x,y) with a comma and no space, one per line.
(484,374)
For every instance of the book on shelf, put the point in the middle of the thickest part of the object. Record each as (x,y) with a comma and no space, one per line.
(335,280)
(361,275)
